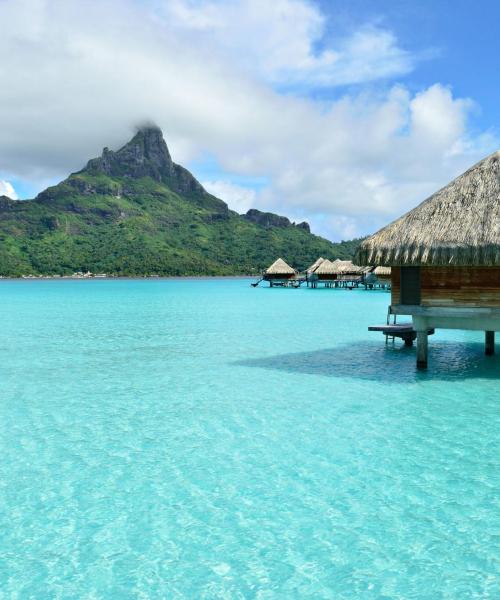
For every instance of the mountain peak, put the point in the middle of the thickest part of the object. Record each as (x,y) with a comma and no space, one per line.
(149,129)
(134,211)
(151,144)
(146,155)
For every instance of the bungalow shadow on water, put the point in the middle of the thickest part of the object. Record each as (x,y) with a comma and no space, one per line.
(392,364)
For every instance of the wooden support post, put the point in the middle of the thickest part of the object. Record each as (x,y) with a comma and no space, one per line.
(422,349)
(489,343)
(409,340)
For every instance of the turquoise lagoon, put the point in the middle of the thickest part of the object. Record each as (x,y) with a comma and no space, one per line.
(202,439)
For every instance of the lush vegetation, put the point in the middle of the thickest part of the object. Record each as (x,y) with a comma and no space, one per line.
(139,226)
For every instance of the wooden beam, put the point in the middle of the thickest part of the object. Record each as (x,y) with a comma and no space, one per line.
(489,343)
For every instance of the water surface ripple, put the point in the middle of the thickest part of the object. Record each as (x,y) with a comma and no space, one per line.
(202,439)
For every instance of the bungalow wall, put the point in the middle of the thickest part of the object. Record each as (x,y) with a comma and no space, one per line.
(446,286)
(279,276)
(395,285)
(327,277)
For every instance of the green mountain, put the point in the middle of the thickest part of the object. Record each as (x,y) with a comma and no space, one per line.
(136,212)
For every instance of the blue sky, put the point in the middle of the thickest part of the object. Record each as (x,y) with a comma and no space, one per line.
(461,37)
(343,113)
(458,42)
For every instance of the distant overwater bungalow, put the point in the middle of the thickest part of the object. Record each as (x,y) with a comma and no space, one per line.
(326,273)
(445,258)
(337,273)
(378,277)
(314,266)
(281,274)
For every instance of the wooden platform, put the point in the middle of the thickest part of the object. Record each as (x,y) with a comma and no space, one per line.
(404,331)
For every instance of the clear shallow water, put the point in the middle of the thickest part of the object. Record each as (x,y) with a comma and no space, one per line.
(203,439)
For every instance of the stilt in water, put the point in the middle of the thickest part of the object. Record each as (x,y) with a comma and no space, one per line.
(489,343)
(422,349)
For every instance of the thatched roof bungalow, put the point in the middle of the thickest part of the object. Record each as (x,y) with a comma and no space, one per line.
(377,276)
(347,267)
(315,265)
(382,274)
(382,271)
(445,257)
(279,272)
(280,268)
(334,271)
(326,270)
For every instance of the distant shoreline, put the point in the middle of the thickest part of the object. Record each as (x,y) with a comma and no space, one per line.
(121,277)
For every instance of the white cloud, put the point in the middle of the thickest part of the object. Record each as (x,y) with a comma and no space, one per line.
(376,158)
(81,75)
(278,40)
(7,189)
(238,198)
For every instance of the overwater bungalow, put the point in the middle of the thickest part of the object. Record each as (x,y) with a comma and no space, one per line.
(383,274)
(311,270)
(315,265)
(348,274)
(378,277)
(281,274)
(337,273)
(325,272)
(445,257)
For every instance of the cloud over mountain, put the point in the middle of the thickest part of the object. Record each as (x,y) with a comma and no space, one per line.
(7,189)
(233,80)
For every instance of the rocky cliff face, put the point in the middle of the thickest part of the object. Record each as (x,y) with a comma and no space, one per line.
(146,155)
(267,219)
(6,202)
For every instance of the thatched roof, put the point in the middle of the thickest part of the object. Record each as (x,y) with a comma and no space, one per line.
(382,271)
(458,225)
(315,265)
(280,267)
(346,266)
(337,267)
(365,270)
(326,268)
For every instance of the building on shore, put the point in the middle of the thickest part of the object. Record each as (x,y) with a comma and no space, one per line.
(445,257)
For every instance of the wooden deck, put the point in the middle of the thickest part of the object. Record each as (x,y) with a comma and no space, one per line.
(403,331)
